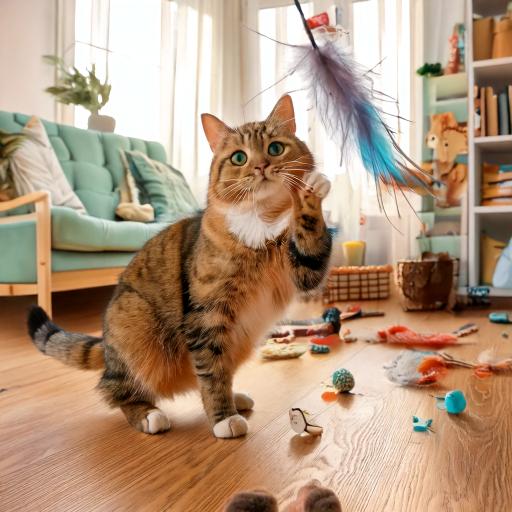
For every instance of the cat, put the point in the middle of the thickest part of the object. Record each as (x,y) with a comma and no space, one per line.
(192,303)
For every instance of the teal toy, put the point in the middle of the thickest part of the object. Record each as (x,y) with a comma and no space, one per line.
(343,381)
(319,349)
(419,425)
(499,317)
(453,402)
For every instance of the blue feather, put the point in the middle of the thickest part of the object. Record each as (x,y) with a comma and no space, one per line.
(344,100)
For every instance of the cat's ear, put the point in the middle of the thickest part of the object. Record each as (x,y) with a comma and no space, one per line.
(214,129)
(283,114)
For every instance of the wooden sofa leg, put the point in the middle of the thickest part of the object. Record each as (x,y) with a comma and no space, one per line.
(44,255)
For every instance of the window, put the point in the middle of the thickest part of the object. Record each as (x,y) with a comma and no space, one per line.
(123,39)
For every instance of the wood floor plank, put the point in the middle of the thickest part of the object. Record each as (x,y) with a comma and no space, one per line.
(62,449)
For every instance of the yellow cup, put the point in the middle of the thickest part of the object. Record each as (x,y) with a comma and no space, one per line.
(353,252)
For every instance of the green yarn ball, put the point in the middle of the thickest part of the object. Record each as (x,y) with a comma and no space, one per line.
(343,380)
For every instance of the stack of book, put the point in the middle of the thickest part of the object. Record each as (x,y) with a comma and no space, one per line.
(496,185)
(493,111)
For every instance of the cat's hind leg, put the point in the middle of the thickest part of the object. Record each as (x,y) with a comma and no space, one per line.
(119,390)
(243,402)
(145,417)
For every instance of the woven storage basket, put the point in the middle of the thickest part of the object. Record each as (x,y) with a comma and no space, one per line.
(427,285)
(358,283)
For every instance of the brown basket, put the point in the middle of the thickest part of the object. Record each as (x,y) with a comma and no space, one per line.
(427,285)
(358,283)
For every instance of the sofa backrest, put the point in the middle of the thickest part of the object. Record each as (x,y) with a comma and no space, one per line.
(91,160)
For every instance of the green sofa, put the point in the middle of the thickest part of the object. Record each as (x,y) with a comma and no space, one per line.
(86,250)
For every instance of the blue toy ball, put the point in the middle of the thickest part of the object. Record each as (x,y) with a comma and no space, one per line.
(454,402)
(343,380)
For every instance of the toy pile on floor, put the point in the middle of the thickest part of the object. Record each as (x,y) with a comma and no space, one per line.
(324,333)
(411,367)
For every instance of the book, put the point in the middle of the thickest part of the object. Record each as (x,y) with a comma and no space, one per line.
(477,118)
(483,113)
(491,101)
(510,106)
(503,114)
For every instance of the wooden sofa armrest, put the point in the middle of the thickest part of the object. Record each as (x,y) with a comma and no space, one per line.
(42,216)
(33,197)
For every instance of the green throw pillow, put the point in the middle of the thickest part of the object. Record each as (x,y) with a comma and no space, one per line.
(163,187)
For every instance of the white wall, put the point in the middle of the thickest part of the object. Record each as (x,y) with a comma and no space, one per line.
(27,31)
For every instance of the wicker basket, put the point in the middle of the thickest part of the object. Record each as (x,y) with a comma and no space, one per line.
(427,285)
(358,283)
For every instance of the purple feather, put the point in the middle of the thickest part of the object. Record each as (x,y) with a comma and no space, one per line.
(343,96)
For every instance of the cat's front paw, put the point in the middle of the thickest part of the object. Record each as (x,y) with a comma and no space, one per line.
(243,402)
(318,184)
(154,422)
(234,426)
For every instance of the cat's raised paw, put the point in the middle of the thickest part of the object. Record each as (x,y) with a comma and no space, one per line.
(155,421)
(234,426)
(243,402)
(318,183)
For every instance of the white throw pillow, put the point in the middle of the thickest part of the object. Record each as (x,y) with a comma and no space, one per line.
(36,167)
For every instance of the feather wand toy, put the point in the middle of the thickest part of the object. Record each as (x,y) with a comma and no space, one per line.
(343,96)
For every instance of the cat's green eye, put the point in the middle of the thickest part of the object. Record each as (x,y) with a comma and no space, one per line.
(275,149)
(238,158)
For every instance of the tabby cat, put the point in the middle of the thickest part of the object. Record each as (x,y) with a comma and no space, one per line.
(193,302)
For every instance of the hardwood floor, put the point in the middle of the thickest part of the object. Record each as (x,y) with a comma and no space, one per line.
(62,449)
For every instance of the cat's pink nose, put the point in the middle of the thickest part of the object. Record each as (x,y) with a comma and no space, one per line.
(259,169)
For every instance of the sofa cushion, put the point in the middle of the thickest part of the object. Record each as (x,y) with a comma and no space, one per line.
(74,232)
(35,167)
(163,186)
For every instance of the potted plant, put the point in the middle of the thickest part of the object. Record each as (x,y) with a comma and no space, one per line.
(75,88)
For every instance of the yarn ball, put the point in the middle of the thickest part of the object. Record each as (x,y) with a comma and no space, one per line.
(455,402)
(343,380)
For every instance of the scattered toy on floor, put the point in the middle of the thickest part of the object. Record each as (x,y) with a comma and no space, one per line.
(418,368)
(478,296)
(454,402)
(419,425)
(299,422)
(465,330)
(272,350)
(499,317)
(343,380)
(319,349)
(310,498)
(332,340)
(355,311)
(329,324)
(402,335)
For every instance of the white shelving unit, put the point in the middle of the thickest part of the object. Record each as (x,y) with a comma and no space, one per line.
(496,73)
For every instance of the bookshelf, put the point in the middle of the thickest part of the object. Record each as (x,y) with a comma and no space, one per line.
(494,220)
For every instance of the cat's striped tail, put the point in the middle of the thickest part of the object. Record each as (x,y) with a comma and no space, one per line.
(74,349)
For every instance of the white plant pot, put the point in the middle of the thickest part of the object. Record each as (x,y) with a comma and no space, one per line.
(101,123)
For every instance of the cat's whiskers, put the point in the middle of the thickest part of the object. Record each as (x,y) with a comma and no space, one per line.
(294,178)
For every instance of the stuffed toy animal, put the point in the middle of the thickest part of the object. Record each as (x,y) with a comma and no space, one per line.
(310,498)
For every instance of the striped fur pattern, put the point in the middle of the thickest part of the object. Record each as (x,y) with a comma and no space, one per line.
(78,350)
(193,302)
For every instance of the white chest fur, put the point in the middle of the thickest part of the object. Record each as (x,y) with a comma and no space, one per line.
(252,230)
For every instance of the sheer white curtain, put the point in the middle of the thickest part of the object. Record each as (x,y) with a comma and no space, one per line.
(202,39)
